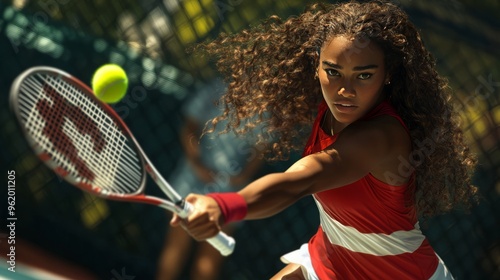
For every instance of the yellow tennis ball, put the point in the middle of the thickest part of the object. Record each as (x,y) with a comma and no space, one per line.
(110,83)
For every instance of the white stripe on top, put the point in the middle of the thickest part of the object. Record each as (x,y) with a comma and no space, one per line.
(378,244)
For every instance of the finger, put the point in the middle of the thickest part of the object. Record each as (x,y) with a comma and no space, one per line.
(191,198)
(202,233)
(175,221)
(201,227)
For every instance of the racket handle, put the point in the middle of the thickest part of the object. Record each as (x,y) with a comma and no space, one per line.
(222,242)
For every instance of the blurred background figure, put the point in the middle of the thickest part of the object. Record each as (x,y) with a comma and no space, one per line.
(212,162)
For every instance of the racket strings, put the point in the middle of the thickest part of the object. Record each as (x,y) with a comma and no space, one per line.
(78,136)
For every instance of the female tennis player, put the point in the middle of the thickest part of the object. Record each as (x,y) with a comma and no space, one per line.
(385,147)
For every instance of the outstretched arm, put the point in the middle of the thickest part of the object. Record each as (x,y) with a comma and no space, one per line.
(360,149)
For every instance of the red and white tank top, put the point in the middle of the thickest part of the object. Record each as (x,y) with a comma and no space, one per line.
(367,231)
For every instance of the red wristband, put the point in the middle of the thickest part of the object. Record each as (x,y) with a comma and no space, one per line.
(232,205)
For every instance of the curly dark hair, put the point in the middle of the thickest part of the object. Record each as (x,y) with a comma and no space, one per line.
(270,72)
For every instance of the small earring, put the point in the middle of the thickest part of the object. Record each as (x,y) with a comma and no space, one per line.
(388,82)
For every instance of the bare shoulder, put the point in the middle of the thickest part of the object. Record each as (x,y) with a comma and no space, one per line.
(377,145)
(386,140)
(385,133)
(373,146)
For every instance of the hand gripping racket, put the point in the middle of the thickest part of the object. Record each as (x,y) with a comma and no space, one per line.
(85,142)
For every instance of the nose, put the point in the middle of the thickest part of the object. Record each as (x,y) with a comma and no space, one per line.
(347,91)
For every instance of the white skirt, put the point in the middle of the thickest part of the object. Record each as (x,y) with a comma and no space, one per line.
(302,258)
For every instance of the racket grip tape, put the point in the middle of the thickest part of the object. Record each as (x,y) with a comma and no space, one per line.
(223,243)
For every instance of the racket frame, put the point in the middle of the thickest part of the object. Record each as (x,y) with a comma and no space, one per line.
(178,205)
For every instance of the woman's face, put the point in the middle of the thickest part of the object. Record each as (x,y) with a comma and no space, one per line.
(352,75)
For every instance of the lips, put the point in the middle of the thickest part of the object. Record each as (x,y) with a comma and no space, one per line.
(345,107)
(345,104)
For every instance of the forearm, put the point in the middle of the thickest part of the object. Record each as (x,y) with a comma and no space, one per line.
(273,193)
(262,198)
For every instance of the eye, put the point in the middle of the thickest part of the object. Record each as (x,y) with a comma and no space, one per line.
(332,72)
(365,76)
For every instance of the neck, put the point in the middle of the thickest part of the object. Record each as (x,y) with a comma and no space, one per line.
(329,123)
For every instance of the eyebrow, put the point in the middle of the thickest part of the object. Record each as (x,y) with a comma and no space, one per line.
(356,68)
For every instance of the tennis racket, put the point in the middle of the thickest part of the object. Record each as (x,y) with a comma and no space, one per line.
(85,142)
